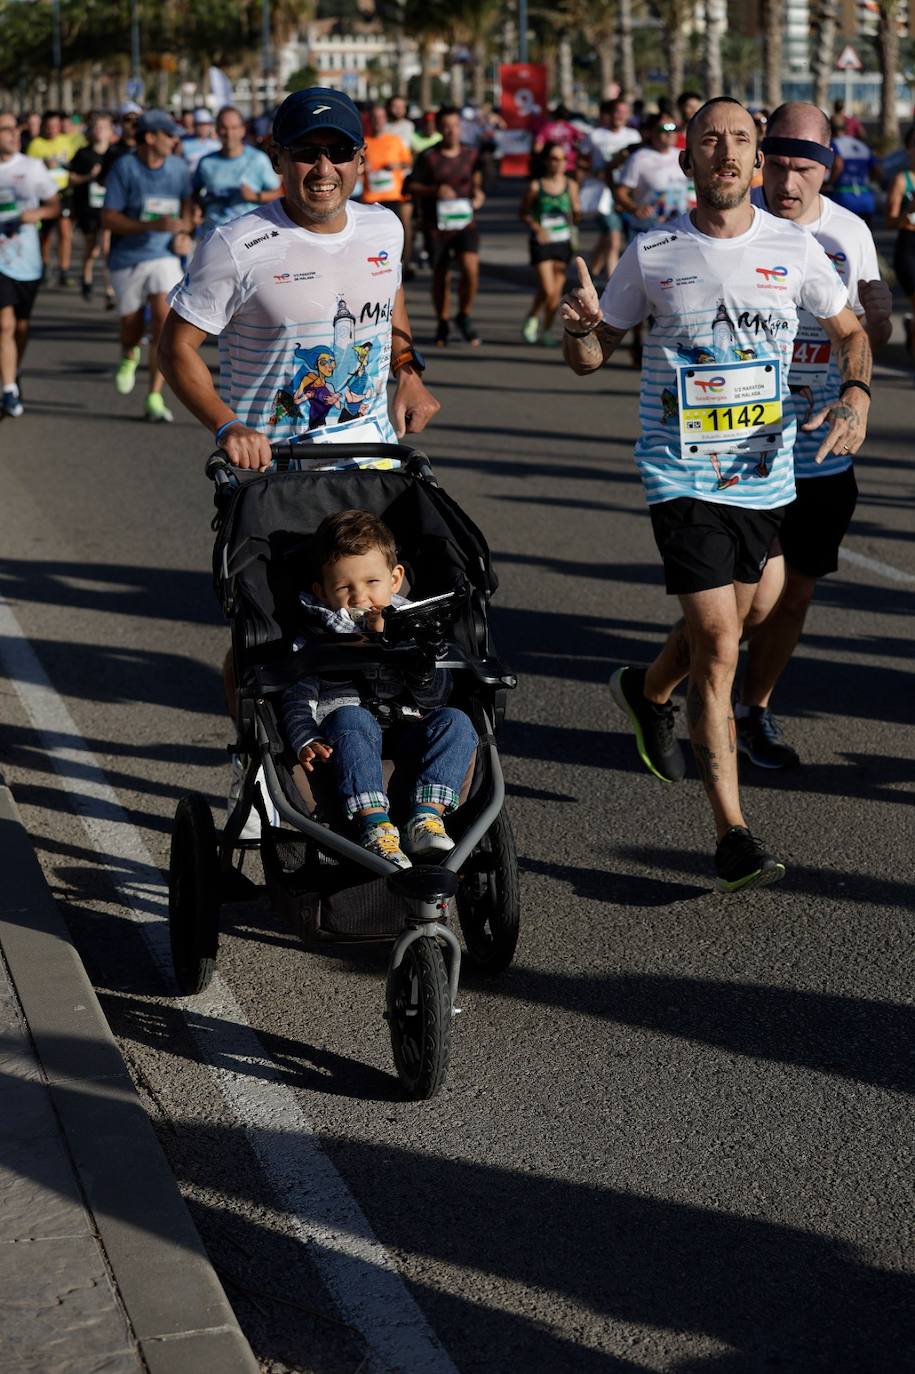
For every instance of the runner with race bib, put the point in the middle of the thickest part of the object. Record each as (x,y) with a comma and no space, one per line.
(722,287)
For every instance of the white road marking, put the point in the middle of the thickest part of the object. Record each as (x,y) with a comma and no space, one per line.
(322,1212)
(875,565)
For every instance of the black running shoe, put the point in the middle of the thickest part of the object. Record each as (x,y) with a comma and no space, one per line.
(741,860)
(465,325)
(654,726)
(759,736)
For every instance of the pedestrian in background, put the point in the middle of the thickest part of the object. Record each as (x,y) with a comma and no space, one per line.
(449,185)
(900,215)
(148,207)
(88,188)
(55,148)
(237,178)
(550,209)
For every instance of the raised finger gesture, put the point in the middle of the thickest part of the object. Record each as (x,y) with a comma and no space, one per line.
(579,308)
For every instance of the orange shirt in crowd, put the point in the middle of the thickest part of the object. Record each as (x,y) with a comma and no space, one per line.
(386,161)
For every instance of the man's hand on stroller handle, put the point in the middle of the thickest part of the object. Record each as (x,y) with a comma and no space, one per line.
(246,448)
(315,751)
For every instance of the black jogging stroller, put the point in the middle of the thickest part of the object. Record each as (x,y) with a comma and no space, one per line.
(329,886)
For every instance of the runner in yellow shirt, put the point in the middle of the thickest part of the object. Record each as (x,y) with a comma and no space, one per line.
(55,148)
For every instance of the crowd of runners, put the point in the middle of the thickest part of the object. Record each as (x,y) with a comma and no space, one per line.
(742,239)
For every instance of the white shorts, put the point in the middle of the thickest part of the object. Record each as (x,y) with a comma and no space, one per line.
(132,285)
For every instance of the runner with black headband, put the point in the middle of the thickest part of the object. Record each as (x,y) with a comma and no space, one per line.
(718,428)
(797,161)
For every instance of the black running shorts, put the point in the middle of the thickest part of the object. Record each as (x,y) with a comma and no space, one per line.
(816,521)
(549,252)
(904,260)
(19,294)
(442,247)
(706,544)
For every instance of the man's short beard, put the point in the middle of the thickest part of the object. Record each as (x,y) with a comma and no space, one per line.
(717,198)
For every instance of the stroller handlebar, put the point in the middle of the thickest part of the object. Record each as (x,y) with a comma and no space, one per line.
(223,473)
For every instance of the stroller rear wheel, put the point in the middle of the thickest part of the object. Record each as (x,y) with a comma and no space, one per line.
(488,900)
(193,895)
(419,1017)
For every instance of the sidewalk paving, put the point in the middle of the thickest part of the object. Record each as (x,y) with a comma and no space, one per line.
(101,1268)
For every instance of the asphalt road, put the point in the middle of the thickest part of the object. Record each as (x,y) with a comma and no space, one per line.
(677,1135)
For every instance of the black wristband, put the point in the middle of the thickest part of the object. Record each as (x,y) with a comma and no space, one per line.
(579,333)
(862,386)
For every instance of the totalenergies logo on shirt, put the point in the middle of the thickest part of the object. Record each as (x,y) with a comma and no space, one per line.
(838,261)
(708,384)
(772,278)
(379,262)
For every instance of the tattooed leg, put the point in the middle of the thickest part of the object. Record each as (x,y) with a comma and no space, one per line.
(671,665)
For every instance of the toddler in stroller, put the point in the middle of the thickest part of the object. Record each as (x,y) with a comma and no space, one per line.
(315,714)
(357,578)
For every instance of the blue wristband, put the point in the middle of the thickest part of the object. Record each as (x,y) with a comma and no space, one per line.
(222,428)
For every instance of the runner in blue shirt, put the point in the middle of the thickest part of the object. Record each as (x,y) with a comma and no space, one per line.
(853,188)
(237,178)
(148,210)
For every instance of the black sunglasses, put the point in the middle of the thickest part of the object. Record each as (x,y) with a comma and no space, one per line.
(336,153)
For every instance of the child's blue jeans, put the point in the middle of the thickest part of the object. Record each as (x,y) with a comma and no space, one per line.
(435,750)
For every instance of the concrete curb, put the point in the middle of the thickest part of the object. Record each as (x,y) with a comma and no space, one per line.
(174,1301)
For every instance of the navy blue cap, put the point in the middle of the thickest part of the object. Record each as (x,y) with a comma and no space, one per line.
(157,122)
(304,112)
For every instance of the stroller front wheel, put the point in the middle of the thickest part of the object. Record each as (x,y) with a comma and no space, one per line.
(193,895)
(419,1018)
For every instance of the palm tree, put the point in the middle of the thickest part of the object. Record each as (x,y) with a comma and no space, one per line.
(716,20)
(888,50)
(675,17)
(773,17)
(824,49)
(426,21)
(627,53)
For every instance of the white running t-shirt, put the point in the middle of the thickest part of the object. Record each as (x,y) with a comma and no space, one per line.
(24,183)
(814,380)
(303,319)
(657,181)
(716,418)
(603,144)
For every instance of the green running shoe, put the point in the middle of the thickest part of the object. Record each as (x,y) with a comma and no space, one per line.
(156,410)
(126,375)
(742,861)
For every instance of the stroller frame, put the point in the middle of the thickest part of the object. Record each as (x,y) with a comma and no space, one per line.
(425,957)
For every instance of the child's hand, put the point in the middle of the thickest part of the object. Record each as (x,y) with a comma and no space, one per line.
(315,752)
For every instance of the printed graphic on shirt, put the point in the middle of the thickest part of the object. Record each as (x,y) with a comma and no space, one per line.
(337,379)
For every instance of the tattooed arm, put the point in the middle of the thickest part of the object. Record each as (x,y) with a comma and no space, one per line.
(587,341)
(848,415)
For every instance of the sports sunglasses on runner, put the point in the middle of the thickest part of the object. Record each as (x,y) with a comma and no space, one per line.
(336,153)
